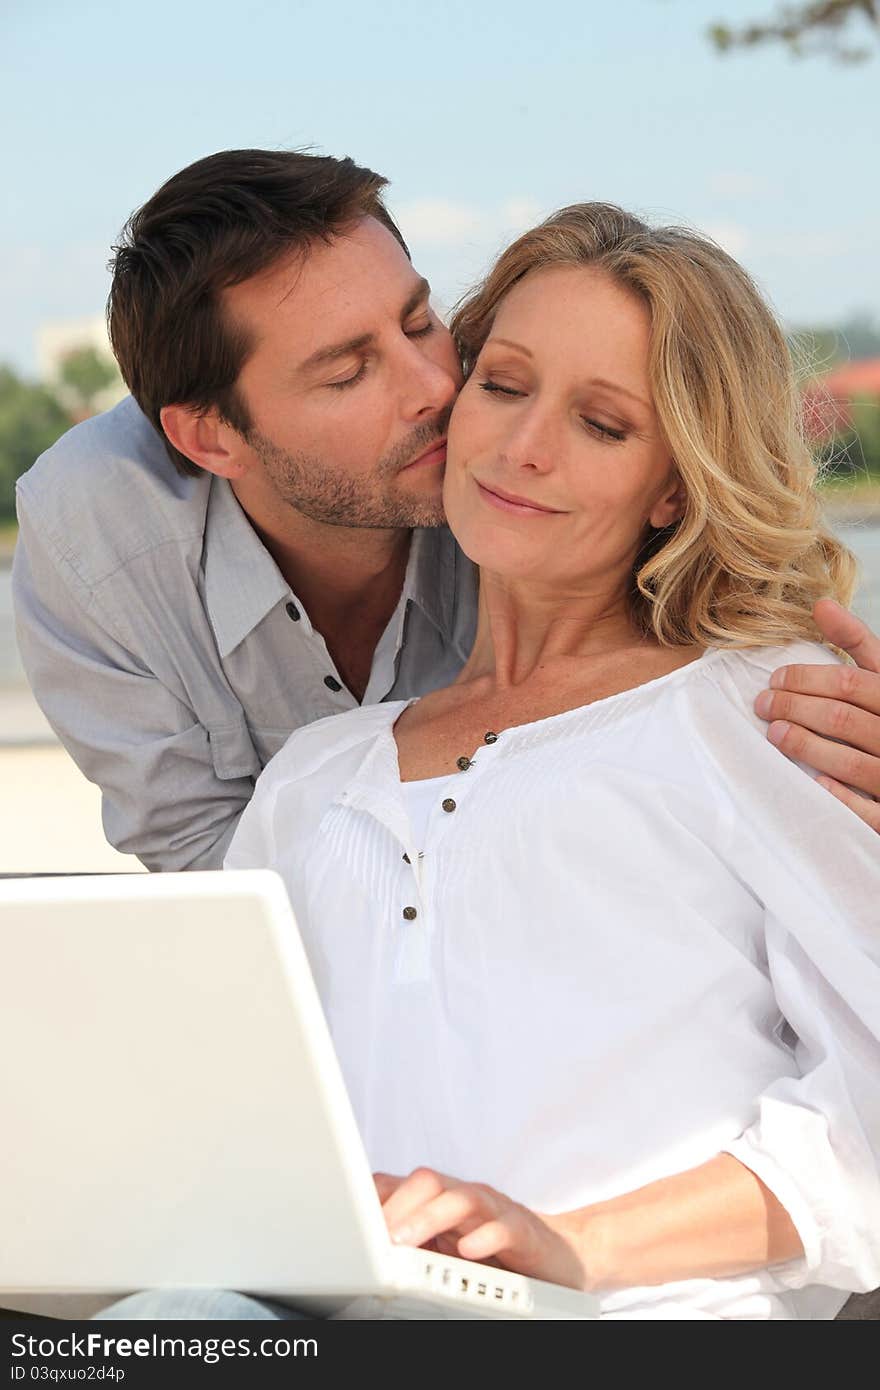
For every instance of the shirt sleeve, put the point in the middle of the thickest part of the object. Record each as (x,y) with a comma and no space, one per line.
(815,1137)
(253,844)
(127,732)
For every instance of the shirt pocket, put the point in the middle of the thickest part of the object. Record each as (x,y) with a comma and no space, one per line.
(267,741)
(232,751)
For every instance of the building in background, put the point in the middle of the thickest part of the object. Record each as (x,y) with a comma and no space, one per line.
(76,362)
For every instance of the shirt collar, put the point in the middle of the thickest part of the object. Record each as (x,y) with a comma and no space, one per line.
(434,577)
(242,581)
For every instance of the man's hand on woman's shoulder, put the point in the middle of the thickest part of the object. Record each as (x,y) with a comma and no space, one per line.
(829,716)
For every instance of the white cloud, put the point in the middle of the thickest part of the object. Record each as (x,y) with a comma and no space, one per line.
(521,213)
(436,222)
(730,184)
(731,236)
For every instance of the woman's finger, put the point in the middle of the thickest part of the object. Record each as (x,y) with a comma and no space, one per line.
(498,1238)
(386,1183)
(458,1209)
(412,1193)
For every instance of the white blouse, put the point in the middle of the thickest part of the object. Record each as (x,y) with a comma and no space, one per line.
(632,936)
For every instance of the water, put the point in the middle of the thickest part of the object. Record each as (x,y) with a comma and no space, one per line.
(863,539)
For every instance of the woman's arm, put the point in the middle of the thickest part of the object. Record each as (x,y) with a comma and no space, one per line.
(715,1221)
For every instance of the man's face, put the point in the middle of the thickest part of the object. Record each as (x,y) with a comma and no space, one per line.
(349,384)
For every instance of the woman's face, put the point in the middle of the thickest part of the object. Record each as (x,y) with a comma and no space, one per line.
(556,464)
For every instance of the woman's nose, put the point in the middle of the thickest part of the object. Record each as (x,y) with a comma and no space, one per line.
(532,441)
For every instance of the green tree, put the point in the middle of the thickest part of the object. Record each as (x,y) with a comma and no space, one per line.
(30,420)
(854,454)
(84,373)
(819,348)
(821,26)
(866,436)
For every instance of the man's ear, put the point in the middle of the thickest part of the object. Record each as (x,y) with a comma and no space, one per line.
(206,440)
(669,506)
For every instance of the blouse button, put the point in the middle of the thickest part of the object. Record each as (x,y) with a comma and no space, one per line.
(449,804)
(463,764)
(292,612)
(410,914)
(406,858)
(490,737)
(332,683)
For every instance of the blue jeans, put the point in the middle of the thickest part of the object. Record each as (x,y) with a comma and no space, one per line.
(182,1305)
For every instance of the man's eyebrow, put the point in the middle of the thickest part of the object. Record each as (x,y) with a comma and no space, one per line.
(421,291)
(330,354)
(336,350)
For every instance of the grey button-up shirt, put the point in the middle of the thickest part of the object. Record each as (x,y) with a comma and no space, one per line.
(167,650)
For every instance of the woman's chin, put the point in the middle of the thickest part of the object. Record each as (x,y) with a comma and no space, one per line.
(508,556)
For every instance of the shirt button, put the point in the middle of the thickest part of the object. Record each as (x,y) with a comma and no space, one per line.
(490,737)
(410,914)
(406,859)
(449,804)
(332,683)
(463,764)
(292,612)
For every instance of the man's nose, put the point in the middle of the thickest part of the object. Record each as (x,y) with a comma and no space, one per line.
(430,386)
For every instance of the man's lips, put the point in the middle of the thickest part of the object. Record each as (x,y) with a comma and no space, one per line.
(435,454)
(509,502)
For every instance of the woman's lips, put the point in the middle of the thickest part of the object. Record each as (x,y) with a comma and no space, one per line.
(509,502)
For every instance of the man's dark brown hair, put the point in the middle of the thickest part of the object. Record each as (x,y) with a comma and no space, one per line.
(213,225)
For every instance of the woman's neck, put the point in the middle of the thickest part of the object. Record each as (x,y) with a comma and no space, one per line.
(524,633)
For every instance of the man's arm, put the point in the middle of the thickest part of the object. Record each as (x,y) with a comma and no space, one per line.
(829,716)
(141,744)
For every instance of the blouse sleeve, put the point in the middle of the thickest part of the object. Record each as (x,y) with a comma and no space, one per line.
(815,867)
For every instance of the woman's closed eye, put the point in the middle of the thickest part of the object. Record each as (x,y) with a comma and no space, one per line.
(495,389)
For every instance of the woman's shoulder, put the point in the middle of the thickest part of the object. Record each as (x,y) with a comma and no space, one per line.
(747,670)
(722,711)
(768,659)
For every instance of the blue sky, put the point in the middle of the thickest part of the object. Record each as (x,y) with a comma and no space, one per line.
(485,116)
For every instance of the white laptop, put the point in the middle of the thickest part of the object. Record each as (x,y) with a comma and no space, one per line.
(174,1114)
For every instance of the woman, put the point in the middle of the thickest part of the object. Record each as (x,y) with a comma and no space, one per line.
(570,948)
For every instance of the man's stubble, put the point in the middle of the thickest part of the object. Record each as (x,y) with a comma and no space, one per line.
(331,496)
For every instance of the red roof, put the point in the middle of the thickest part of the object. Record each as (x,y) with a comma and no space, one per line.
(854,379)
(827,401)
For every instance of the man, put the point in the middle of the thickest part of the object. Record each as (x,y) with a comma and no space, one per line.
(255,540)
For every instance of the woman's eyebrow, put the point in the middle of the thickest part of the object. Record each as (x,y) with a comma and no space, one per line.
(506,342)
(615,386)
(593,381)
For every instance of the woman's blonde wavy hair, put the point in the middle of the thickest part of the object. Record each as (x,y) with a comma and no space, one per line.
(750,556)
